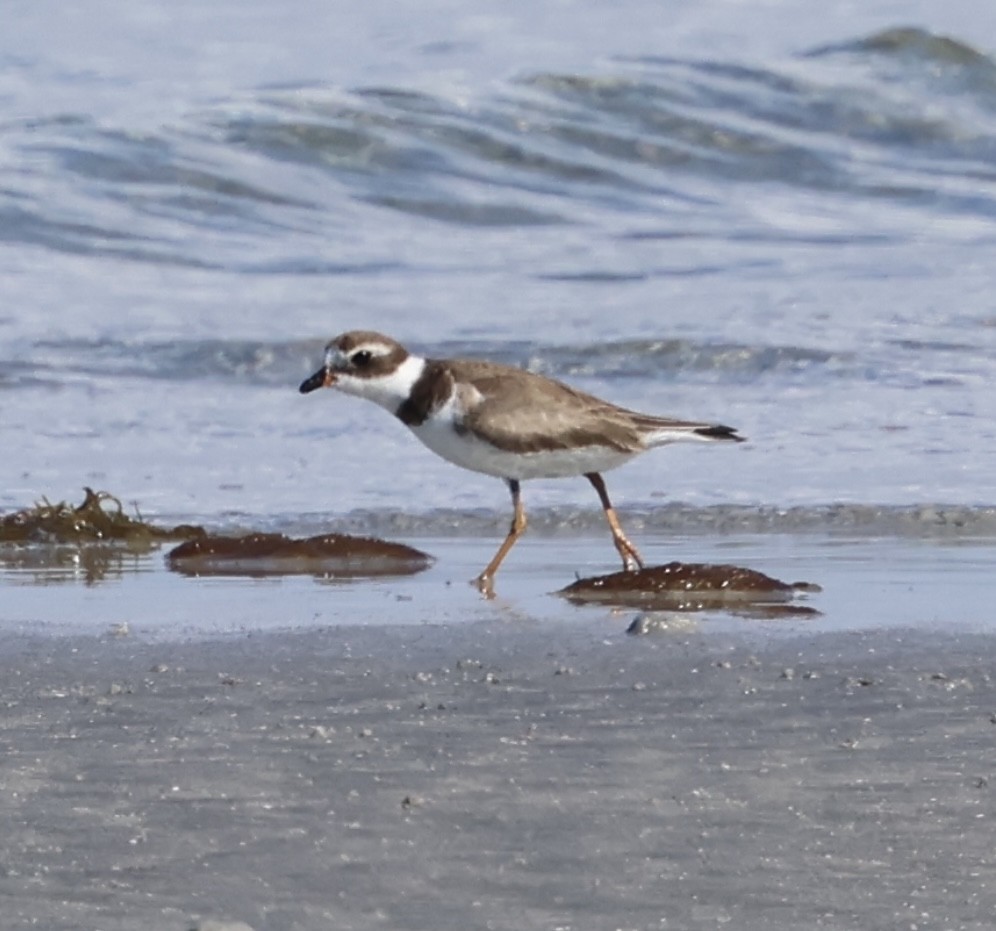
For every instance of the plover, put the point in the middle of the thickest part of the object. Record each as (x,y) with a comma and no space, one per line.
(503,421)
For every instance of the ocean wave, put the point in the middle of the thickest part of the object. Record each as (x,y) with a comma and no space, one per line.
(286,362)
(902,118)
(921,521)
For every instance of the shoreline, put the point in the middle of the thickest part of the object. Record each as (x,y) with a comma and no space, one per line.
(866,584)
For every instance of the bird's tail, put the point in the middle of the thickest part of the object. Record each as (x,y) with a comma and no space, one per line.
(718,431)
(662,432)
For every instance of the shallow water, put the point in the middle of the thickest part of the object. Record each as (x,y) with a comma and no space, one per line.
(867,584)
(748,214)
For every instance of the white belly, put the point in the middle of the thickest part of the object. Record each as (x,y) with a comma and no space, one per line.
(465,449)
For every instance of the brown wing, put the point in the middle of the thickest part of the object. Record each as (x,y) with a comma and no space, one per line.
(541,414)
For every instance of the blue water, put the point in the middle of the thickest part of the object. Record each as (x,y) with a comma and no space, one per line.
(778,216)
(867,584)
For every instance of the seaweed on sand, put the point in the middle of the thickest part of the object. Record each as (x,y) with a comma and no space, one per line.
(329,556)
(679,586)
(89,522)
(97,539)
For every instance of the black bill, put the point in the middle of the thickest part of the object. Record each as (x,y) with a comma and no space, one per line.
(320,379)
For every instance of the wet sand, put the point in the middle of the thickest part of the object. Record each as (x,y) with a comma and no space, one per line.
(499,774)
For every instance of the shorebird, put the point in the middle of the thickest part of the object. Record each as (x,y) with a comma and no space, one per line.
(503,421)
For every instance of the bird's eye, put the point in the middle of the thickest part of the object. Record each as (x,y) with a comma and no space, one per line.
(361,358)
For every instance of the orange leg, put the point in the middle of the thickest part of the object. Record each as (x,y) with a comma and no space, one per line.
(485,581)
(630,557)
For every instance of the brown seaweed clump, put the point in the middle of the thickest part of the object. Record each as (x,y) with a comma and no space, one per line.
(91,521)
(330,555)
(679,586)
(88,542)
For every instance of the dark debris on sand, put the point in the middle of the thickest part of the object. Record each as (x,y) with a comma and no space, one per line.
(679,586)
(263,554)
(90,521)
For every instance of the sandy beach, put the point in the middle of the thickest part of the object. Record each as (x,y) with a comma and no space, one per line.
(773,216)
(499,774)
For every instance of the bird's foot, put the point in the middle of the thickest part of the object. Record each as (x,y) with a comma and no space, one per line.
(485,584)
(632,561)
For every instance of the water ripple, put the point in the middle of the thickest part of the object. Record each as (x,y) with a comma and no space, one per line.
(876,128)
(285,363)
(937,522)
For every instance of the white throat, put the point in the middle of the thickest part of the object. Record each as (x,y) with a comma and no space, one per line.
(390,390)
